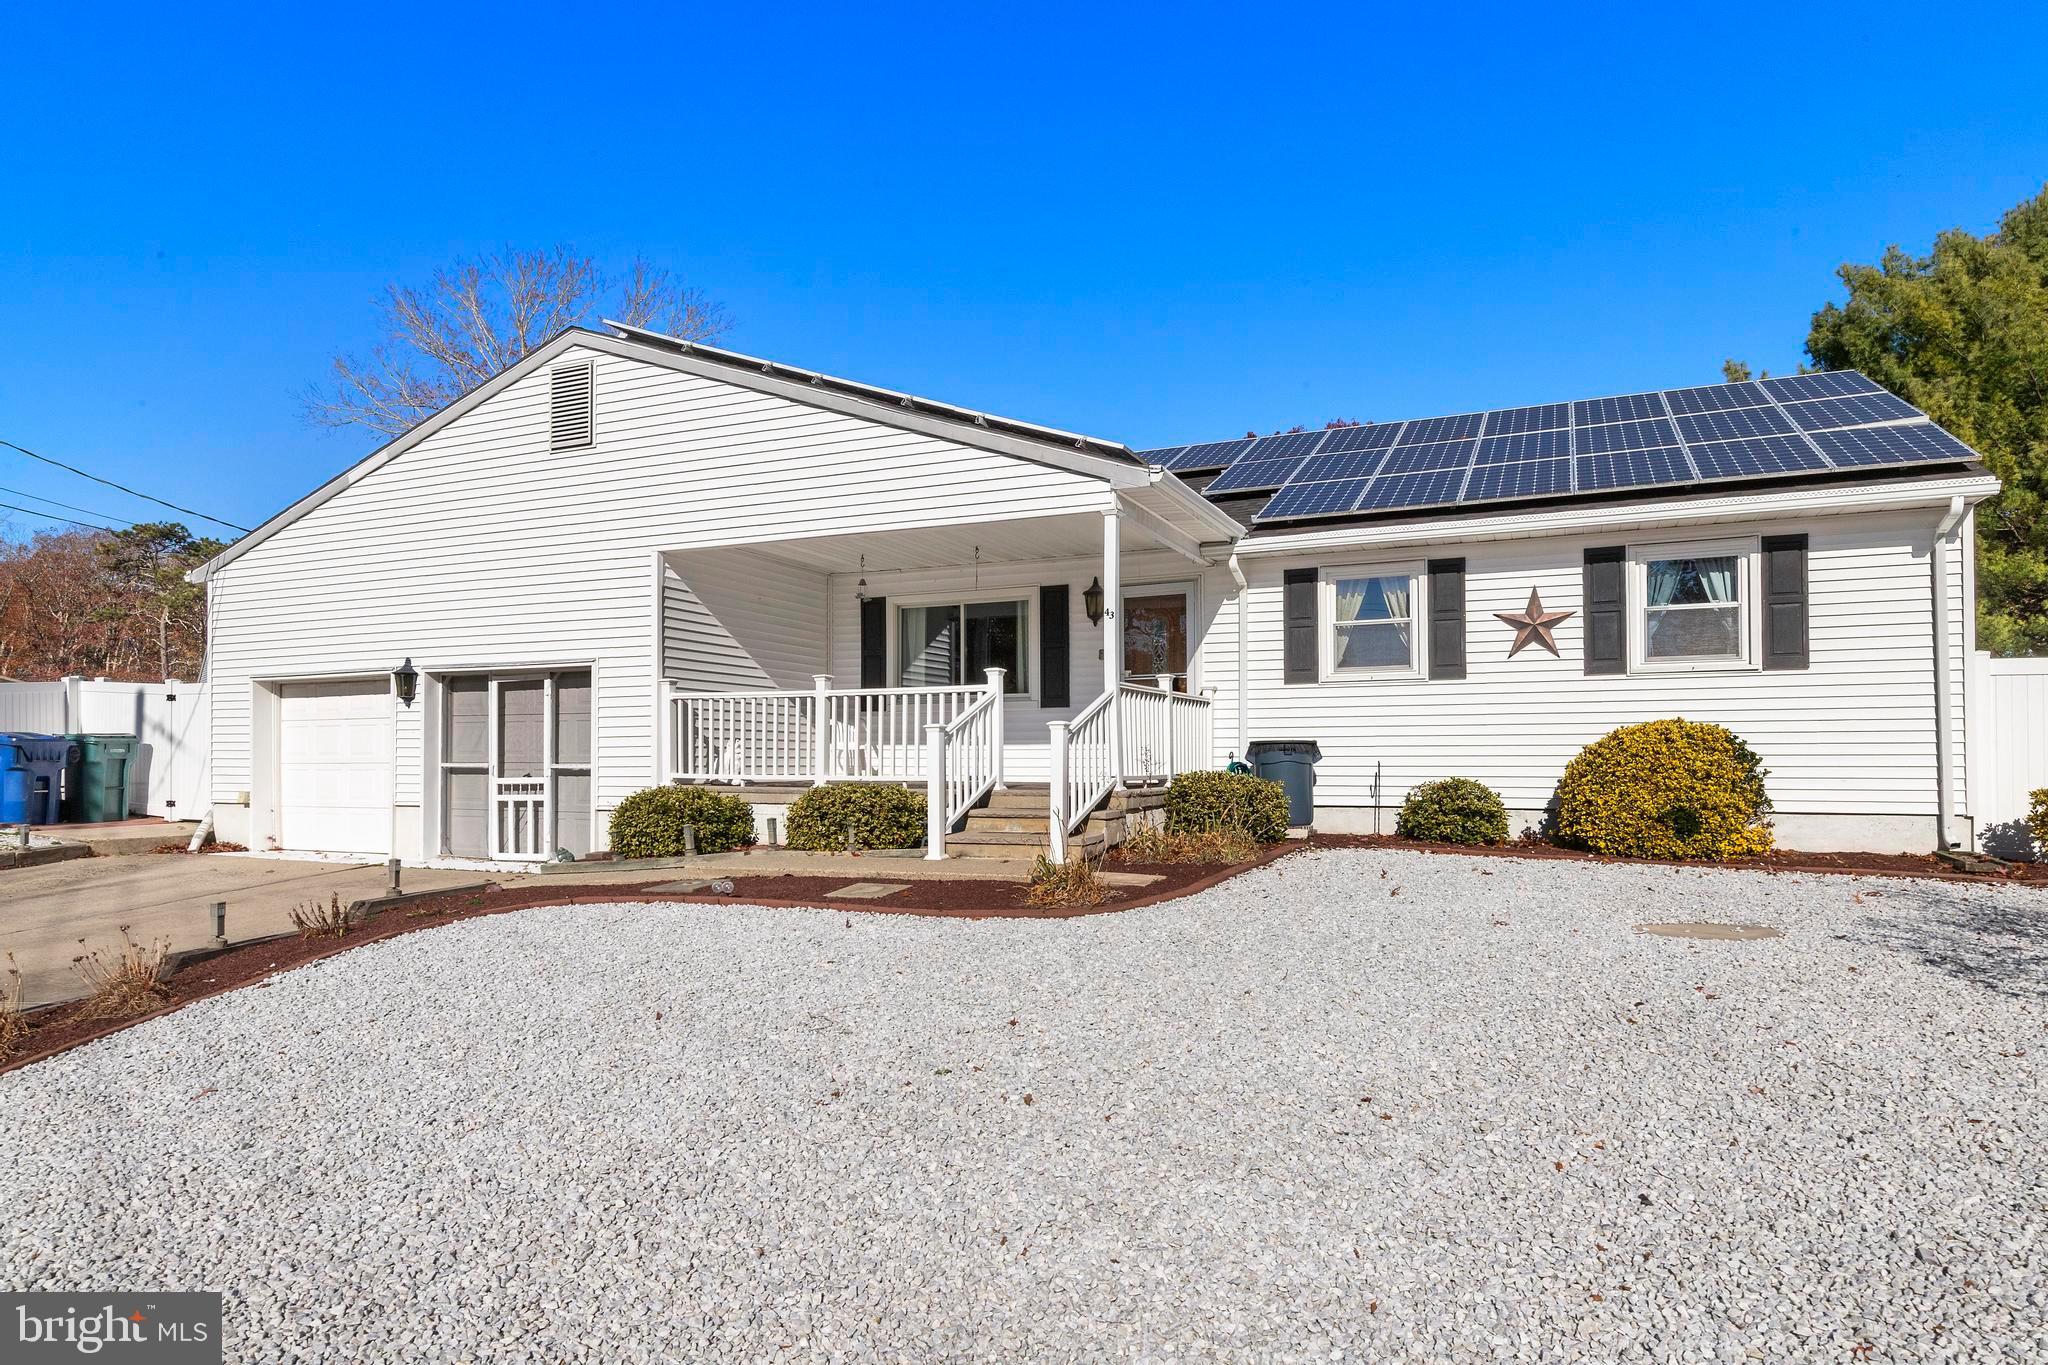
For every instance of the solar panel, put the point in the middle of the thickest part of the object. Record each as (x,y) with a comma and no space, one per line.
(1759,455)
(1371,436)
(1411,490)
(1314,499)
(1442,428)
(1823,414)
(1630,407)
(1716,398)
(1251,475)
(1529,445)
(1441,455)
(1658,431)
(1523,479)
(1801,424)
(1633,469)
(1164,455)
(1922,442)
(1792,388)
(1345,464)
(1547,417)
(1733,425)
(1287,443)
(1214,455)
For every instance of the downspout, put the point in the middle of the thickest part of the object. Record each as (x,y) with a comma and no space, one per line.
(1944,759)
(1244,663)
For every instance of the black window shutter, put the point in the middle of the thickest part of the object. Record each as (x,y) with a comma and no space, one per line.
(874,642)
(1299,613)
(1054,688)
(1446,618)
(1606,608)
(1785,611)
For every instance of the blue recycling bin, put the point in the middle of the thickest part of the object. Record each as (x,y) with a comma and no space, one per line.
(14,785)
(45,759)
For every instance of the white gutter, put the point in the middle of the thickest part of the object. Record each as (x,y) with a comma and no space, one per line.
(1944,759)
(1244,661)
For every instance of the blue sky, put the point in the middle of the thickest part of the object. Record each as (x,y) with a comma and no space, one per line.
(1151,225)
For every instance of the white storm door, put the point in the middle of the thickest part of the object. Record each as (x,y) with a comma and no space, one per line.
(520,738)
(334,766)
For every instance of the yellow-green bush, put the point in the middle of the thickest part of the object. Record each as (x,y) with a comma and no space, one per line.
(876,814)
(1666,789)
(2037,818)
(1205,802)
(649,824)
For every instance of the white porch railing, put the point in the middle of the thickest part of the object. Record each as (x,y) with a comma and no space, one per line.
(1134,734)
(963,763)
(873,734)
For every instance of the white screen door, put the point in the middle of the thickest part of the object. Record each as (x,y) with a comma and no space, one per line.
(520,739)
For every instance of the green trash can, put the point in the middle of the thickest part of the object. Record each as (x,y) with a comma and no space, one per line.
(1291,763)
(101,791)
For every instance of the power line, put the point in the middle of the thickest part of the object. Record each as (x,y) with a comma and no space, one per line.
(133,493)
(69,507)
(46,516)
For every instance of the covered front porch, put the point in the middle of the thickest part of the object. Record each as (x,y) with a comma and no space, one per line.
(965,658)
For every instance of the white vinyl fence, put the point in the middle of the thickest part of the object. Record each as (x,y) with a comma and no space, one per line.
(170,773)
(2008,750)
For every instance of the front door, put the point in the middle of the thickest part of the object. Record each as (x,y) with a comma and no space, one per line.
(1156,636)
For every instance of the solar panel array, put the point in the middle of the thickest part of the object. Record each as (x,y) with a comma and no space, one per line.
(1799,424)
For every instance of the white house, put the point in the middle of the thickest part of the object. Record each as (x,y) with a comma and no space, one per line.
(631,560)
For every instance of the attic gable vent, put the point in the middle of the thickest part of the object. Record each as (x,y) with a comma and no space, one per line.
(571,406)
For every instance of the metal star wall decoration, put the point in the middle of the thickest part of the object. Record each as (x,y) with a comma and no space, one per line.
(1534,623)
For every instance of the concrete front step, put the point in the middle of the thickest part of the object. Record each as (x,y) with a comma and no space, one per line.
(1003,822)
(1016,847)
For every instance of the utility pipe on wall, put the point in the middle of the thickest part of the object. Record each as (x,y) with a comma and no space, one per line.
(1944,759)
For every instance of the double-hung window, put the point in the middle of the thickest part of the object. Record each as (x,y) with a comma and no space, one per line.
(1692,605)
(953,644)
(1371,617)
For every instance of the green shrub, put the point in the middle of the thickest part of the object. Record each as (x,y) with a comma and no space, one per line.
(1204,803)
(1454,810)
(649,824)
(2037,819)
(1666,789)
(879,816)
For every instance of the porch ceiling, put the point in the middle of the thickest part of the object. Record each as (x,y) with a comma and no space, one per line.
(1074,536)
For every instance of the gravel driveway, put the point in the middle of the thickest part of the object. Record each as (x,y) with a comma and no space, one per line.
(1409,1107)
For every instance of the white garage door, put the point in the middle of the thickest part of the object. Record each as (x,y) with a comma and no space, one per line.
(334,775)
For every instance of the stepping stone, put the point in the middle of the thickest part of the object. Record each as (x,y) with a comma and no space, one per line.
(866,891)
(679,888)
(1736,933)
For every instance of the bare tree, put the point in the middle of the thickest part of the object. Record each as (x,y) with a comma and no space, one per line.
(477,318)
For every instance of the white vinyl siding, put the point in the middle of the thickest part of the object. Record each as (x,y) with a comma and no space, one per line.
(1852,734)
(481,550)
(736,621)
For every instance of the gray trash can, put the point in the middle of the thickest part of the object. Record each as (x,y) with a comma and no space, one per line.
(1291,763)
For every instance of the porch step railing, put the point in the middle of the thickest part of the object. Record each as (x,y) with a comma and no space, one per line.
(963,763)
(872,733)
(1132,734)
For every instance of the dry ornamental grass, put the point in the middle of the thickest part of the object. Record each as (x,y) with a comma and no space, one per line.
(13,1024)
(125,980)
(314,920)
(1209,846)
(1060,885)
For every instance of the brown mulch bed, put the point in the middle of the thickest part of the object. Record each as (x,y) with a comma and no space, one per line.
(61,1027)
(1785,860)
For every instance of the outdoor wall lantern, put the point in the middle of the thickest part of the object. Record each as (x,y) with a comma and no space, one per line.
(1091,601)
(407,679)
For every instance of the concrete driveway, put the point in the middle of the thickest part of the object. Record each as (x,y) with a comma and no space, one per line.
(44,911)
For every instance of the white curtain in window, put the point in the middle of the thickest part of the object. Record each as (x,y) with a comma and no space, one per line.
(1394,595)
(1350,597)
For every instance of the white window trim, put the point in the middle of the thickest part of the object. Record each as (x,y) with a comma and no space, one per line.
(1026,594)
(1748,553)
(1418,623)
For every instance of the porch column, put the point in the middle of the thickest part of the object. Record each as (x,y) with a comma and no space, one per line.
(821,728)
(1113,632)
